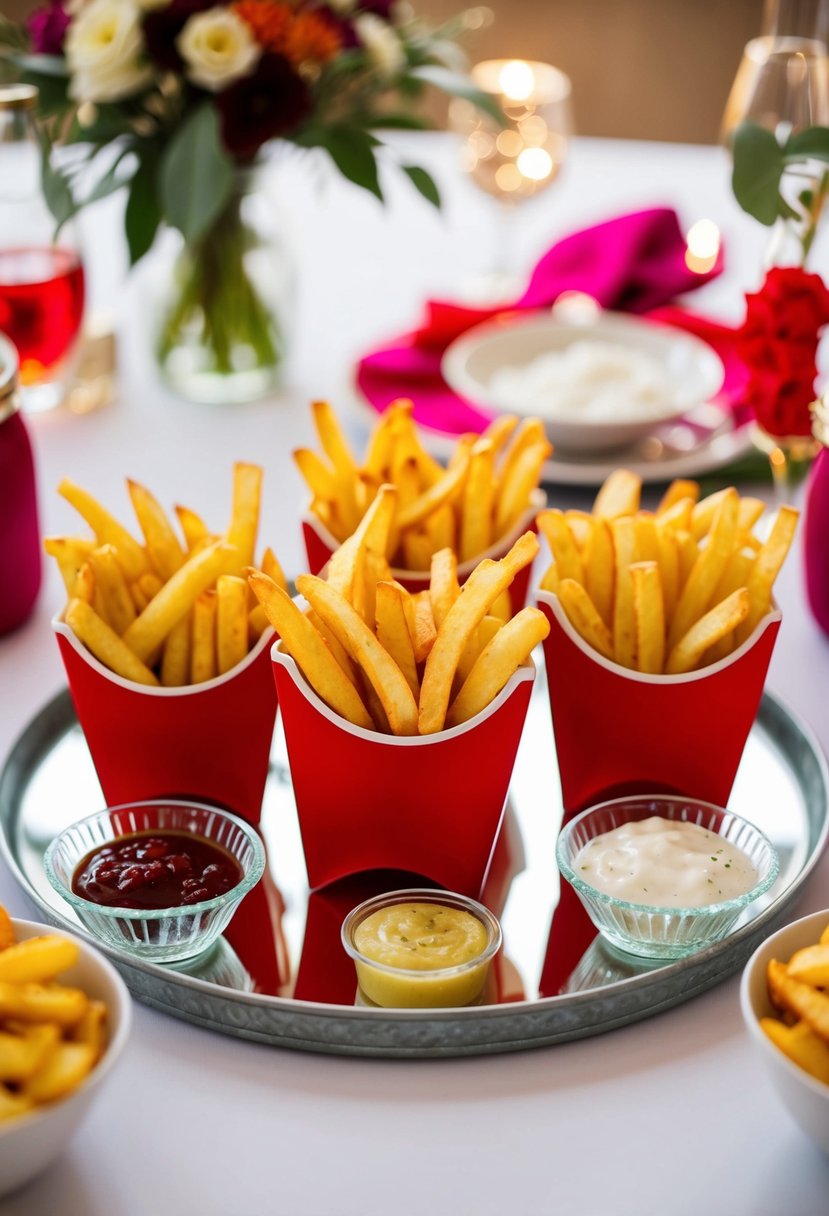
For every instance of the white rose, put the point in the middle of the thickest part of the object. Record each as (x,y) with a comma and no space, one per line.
(104,47)
(381,42)
(218,47)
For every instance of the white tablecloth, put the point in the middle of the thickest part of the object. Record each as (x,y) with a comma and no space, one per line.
(671,1115)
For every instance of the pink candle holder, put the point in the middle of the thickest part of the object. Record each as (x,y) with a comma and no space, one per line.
(20,557)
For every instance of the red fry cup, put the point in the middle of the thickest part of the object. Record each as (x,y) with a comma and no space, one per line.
(619,731)
(431,805)
(320,545)
(210,742)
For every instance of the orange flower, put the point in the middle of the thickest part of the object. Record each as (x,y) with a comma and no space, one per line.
(310,36)
(268,21)
(299,36)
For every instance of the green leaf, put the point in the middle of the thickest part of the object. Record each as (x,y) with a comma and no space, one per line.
(813,142)
(352,151)
(196,175)
(143,212)
(424,182)
(397,122)
(112,180)
(12,34)
(459,85)
(758,168)
(43,65)
(52,96)
(56,189)
(108,124)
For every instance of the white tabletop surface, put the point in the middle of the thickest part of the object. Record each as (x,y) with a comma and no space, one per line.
(671,1115)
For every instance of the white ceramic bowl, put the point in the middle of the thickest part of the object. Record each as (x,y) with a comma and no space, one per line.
(805,1098)
(692,368)
(29,1144)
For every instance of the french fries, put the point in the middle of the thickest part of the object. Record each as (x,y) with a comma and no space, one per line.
(392,661)
(670,591)
(172,608)
(480,497)
(51,1035)
(798,989)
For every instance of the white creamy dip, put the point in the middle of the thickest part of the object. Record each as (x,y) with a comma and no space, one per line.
(665,863)
(589,381)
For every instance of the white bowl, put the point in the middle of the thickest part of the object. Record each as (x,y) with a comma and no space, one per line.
(29,1144)
(693,370)
(805,1098)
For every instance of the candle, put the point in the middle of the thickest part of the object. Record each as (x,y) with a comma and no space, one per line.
(702,246)
(516,160)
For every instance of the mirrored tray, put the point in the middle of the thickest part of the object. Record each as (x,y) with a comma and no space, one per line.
(280,976)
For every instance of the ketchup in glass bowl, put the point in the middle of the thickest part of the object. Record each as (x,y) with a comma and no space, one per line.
(160,879)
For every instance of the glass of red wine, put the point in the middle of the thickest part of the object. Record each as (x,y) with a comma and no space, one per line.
(41,273)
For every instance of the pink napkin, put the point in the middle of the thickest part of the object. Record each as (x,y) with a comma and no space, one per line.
(632,263)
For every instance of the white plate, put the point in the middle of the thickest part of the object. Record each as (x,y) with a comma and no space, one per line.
(689,369)
(702,441)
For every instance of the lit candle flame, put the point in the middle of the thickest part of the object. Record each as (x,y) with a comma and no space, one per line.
(702,246)
(517,80)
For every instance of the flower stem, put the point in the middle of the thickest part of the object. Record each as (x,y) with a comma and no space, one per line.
(217,307)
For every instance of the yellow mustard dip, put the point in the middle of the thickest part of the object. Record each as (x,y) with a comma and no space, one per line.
(425,943)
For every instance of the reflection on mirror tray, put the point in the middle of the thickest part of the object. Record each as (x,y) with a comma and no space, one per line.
(285,941)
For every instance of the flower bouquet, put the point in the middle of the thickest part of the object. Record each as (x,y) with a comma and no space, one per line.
(176,100)
(784,184)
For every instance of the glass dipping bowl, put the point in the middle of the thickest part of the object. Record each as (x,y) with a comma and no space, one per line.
(401,987)
(664,932)
(160,935)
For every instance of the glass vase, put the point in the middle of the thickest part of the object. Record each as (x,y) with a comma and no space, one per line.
(790,459)
(222,335)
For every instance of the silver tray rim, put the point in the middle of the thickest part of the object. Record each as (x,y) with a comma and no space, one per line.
(371,1032)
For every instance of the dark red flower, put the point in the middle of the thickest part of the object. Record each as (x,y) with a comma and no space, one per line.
(272,101)
(778,344)
(162,27)
(47,27)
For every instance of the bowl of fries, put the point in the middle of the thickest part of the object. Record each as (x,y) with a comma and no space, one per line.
(160,935)
(402,713)
(478,506)
(662,626)
(65,1021)
(784,997)
(166,654)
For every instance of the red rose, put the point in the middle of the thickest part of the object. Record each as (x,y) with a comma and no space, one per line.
(778,344)
(800,300)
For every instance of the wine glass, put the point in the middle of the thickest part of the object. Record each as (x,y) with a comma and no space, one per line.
(782,84)
(41,277)
(519,159)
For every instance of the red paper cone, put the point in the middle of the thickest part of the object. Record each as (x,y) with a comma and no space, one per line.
(209,742)
(431,805)
(624,732)
(320,544)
